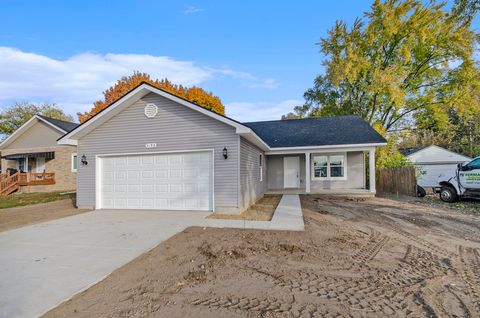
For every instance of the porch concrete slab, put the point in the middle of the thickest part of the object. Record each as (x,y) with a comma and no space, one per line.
(44,264)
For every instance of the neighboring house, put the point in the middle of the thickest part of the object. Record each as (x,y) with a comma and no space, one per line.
(433,162)
(153,150)
(44,165)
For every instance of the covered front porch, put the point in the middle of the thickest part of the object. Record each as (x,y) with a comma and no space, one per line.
(25,169)
(325,170)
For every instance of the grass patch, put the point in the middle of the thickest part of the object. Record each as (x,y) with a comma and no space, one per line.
(23,199)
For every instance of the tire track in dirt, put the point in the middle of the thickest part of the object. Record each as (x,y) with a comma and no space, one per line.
(386,292)
(368,213)
(470,273)
(275,307)
(372,248)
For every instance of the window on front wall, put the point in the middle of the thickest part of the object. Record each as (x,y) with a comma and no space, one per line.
(74,162)
(328,167)
(261,167)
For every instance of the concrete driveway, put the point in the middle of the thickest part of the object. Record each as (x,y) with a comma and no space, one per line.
(44,264)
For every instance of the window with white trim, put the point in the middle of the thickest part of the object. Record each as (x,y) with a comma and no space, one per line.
(328,167)
(74,162)
(261,167)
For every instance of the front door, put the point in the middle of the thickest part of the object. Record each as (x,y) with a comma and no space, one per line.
(291,172)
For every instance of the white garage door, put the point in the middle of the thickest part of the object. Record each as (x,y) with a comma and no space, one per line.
(174,181)
(431,174)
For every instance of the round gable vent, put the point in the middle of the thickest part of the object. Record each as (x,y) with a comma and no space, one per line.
(151,110)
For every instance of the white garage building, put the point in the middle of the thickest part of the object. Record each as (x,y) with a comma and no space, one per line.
(433,162)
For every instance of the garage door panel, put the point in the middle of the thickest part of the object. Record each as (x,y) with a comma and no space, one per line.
(120,203)
(161,174)
(133,188)
(133,203)
(121,188)
(175,204)
(180,181)
(175,160)
(147,188)
(175,188)
(133,174)
(120,175)
(161,188)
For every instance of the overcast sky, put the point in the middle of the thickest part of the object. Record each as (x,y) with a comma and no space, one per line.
(258,56)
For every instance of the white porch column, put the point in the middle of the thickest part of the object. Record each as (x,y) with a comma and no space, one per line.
(372,169)
(307,172)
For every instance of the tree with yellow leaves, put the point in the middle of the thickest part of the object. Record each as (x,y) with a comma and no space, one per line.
(406,62)
(193,94)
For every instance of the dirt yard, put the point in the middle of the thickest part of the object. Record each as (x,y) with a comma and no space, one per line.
(30,214)
(367,258)
(262,210)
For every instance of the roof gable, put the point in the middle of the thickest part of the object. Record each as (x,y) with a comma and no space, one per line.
(436,154)
(136,94)
(51,123)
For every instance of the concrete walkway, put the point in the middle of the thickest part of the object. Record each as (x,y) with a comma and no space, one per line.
(288,216)
(44,264)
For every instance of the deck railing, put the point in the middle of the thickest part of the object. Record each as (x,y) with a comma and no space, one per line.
(10,184)
(39,178)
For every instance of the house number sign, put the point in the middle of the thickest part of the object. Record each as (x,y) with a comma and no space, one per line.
(151,145)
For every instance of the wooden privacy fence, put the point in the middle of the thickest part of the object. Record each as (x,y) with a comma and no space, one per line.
(400,180)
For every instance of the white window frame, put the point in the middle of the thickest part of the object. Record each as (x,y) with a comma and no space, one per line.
(328,177)
(74,158)
(261,166)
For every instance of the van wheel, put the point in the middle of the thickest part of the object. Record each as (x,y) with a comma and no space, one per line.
(448,194)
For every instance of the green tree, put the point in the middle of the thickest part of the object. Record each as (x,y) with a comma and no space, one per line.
(405,62)
(13,117)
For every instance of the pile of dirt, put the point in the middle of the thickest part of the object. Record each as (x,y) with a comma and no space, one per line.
(262,210)
(356,258)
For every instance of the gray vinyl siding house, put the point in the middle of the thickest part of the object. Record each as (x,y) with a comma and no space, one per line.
(153,150)
(174,128)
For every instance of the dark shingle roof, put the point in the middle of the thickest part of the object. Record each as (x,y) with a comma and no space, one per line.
(62,124)
(322,131)
(409,151)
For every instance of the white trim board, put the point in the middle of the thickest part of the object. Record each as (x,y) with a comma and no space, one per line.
(323,149)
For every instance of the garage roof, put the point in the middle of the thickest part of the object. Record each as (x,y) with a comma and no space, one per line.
(433,154)
(322,131)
